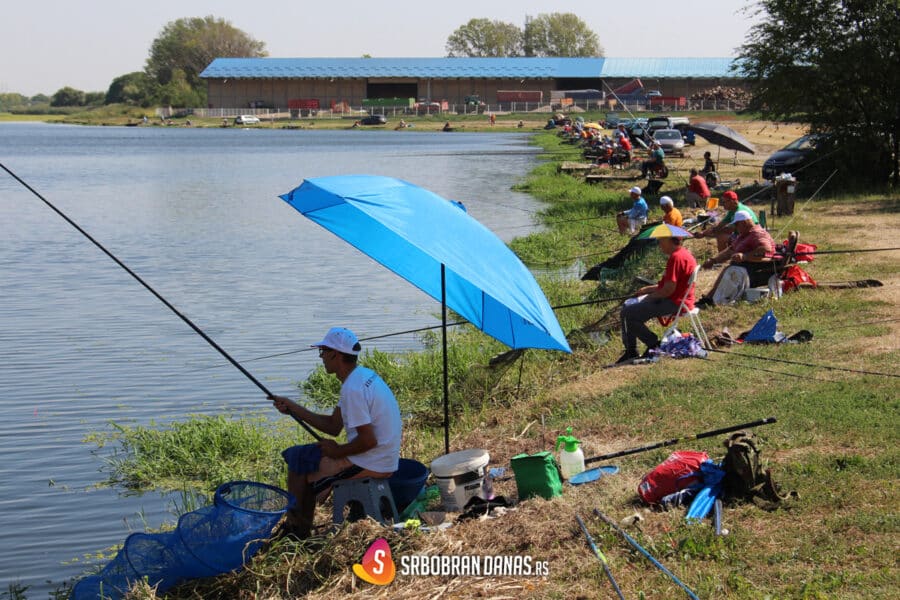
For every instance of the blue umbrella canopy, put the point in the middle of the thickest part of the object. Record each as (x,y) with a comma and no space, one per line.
(440,249)
(413,231)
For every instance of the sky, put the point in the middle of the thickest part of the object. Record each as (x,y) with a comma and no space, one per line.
(49,44)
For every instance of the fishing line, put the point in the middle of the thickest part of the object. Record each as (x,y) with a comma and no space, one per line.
(865,323)
(409,331)
(190,323)
(803,364)
(786,374)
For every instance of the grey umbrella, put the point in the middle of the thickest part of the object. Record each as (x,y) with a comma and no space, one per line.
(723,136)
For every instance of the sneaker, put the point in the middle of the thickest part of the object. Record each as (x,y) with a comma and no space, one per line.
(651,351)
(629,356)
(704,302)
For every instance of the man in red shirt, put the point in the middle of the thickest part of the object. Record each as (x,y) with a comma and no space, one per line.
(658,300)
(752,249)
(697,192)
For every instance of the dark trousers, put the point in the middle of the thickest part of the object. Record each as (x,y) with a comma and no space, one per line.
(634,317)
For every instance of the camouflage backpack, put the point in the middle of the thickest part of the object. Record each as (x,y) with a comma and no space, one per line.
(744,478)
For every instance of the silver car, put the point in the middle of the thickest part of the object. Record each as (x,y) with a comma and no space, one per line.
(670,140)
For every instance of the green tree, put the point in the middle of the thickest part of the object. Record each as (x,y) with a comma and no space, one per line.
(485,38)
(187,46)
(12,101)
(179,92)
(560,34)
(834,65)
(40,99)
(94,98)
(67,96)
(136,89)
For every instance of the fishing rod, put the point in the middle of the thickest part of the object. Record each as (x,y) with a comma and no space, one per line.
(674,441)
(600,557)
(646,554)
(847,251)
(190,323)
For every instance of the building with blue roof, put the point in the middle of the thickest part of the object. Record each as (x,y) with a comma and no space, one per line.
(305,82)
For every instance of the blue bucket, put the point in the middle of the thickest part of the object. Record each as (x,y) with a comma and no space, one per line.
(407,483)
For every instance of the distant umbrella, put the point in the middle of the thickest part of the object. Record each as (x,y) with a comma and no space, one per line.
(664,230)
(723,136)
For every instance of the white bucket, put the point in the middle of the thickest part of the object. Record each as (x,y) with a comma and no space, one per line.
(756,294)
(459,476)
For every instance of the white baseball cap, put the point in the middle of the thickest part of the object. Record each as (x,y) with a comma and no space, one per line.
(635,190)
(666,200)
(741,215)
(340,339)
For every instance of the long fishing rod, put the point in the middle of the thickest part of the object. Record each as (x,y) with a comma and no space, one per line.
(600,557)
(646,554)
(847,251)
(190,323)
(674,441)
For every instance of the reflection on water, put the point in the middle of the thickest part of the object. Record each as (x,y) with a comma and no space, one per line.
(196,214)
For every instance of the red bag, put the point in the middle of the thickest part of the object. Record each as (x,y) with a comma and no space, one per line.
(794,277)
(680,470)
(801,252)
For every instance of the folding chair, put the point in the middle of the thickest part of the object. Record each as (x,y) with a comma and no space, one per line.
(692,314)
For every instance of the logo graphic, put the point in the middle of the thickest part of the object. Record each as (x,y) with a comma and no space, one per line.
(377,565)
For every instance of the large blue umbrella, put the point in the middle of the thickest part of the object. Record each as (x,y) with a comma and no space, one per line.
(441,250)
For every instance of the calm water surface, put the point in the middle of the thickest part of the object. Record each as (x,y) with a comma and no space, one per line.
(196,214)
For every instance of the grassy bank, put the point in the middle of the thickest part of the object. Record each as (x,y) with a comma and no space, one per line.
(835,442)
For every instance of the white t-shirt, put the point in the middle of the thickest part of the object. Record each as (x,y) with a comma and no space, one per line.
(367,400)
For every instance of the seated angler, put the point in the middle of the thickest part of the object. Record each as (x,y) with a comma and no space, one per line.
(367,411)
(724,230)
(631,221)
(751,250)
(658,300)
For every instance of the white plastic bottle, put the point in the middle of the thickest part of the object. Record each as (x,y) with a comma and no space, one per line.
(571,459)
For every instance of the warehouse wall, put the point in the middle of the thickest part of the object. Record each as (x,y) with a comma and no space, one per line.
(239,93)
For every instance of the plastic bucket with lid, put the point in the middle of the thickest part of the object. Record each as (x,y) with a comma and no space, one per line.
(459,476)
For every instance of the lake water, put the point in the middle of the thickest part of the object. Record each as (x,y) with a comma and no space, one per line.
(195,213)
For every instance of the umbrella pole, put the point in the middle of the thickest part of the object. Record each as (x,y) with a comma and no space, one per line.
(446,374)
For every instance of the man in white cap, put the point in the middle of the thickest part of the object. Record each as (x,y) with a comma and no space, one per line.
(671,215)
(632,220)
(752,249)
(367,411)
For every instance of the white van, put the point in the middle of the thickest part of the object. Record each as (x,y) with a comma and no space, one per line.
(246,120)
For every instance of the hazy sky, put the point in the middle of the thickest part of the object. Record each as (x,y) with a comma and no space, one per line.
(49,44)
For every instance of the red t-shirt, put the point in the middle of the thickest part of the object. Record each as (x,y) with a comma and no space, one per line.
(679,268)
(699,187)
(626,145)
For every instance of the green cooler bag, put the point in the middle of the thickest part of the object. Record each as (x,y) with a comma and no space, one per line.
(537,475)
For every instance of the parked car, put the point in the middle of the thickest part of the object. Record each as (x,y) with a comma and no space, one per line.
(792,157)
(667,122)
(246,120)
(373,120)
(637,129)
(670,140)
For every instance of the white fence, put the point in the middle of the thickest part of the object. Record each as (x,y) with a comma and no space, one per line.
(347,112)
